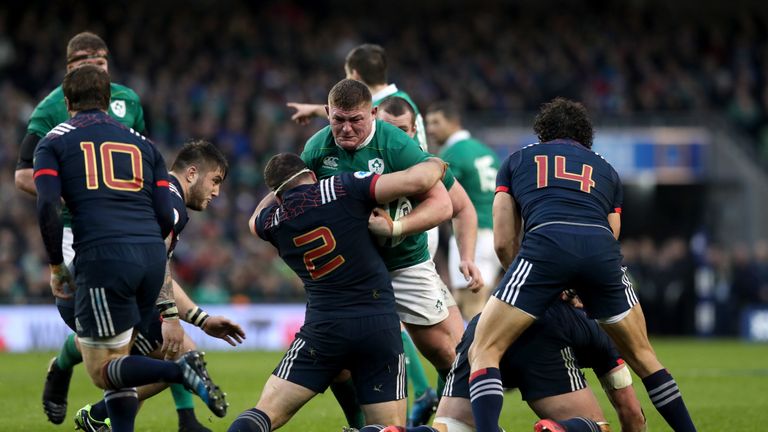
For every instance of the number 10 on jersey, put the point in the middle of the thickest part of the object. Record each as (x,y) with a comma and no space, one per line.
(107,156)
(542,173)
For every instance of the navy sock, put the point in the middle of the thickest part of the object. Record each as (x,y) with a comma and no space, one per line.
(99,410)
(252,420)
(487,397)
(372,428)
(665,395)
(122,405)
(423,428)
(134,371)
(579,424)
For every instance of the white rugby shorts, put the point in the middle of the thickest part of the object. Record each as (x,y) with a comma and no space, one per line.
(485,259)
(422,297)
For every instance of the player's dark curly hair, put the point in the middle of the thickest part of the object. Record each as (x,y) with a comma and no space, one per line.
(349,94)
(87,88)
(562,118)
(280,168)
(203,154)
(370,62)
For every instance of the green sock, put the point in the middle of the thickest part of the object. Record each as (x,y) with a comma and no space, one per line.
(346,395)
(69,356)
(182,397)
(414,369)
(441,374)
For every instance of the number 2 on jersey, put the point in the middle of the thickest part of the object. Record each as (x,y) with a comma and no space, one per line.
(542,173)
(328,246)
(107,154)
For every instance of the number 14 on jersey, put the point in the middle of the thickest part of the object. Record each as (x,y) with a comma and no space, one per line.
(542,173)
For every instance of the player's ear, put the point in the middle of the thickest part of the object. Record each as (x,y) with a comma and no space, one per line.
(314,176)
(327,110)
(374,110)
(191,174)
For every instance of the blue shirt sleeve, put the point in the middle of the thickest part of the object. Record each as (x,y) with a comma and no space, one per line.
(161,195)
(265,220)
(361,185)
(48,185)
(504,176)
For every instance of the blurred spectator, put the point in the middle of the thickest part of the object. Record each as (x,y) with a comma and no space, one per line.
(224,72)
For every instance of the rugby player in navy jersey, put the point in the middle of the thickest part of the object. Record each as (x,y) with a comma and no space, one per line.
(195,179)
(544,364)
(570,201)
(321,231)
(115,183)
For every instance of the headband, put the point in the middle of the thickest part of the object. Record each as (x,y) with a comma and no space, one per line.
(85,56)
(282,185)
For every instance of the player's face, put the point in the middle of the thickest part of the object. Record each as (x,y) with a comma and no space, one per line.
(404,122)
(99,58)
(205,189)
(438,127)
(351,127)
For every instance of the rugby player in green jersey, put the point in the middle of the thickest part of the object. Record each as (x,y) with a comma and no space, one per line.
(475,165)
(125,107)
(355,141)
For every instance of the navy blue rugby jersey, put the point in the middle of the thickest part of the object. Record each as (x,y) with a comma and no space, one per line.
(112,179)
(180,216)
(561,181)
(321,232)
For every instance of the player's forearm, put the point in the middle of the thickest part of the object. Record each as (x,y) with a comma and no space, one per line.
(24,181)
(166,295)
(183,302)
(464,222)
(434,209)
(49,217)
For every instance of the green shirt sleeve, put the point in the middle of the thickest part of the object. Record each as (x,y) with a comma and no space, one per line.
(407,153)
(139,125)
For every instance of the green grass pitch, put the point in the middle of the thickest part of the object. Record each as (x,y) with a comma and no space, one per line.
(725,384)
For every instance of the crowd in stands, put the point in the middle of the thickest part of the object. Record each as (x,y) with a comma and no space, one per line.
(204,70)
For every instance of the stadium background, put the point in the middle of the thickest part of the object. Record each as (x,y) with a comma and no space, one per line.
(679,92)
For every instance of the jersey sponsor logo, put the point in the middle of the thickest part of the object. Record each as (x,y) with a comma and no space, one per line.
(330,162)
(118,108)
(376,165)
(363,174)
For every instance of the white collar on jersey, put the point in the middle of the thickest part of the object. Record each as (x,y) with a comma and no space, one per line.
(456,137)
(367,140)
(386,91)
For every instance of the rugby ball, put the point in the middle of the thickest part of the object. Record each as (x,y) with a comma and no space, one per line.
(397,209)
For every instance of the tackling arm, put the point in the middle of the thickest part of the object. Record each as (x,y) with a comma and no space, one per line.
(305,112)
(23,176)
(266,201)
(507,227)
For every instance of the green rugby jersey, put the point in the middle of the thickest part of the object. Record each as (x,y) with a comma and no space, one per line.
(389,150)
(475,166)
(392,90)
(124,107)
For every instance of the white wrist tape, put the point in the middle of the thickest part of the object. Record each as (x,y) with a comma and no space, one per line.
(617,380)
(397,228)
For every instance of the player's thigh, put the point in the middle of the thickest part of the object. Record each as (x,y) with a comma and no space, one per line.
(386,413)
(580,403)
(376,360)
(454,409)
(544,366)
(499,326)
(533,281)
(316,356)
(421,296)
(281,399)
(631,339)
(98,351)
